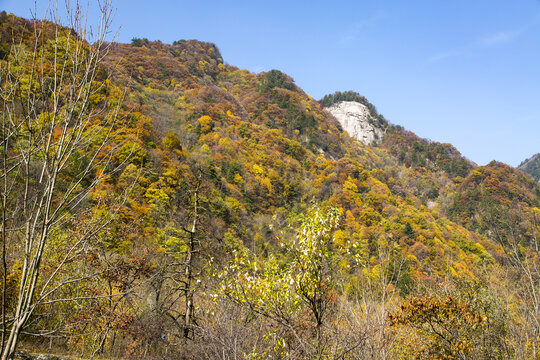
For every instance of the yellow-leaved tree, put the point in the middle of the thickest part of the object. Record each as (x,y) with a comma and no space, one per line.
(283,289)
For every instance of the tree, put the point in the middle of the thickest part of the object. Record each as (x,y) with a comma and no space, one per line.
(275,79)
(283,290)
(449,325)
(516,231)
(139,42)
(310,266)
(465,323)
(57,144)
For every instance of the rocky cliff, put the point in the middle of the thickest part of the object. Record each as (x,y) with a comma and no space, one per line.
(355,119)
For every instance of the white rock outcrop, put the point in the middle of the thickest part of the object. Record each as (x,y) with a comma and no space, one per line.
(354,118)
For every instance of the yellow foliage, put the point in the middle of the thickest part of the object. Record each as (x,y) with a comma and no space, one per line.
(257,170)
(225,143)
(267,184)
(238,179)
(340,238)
(349,185)
(234,204)
(413,260)
(206,123)
(462,271)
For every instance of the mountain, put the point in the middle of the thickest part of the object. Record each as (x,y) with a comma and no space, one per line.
(531,166)
(494,199)
(248,223)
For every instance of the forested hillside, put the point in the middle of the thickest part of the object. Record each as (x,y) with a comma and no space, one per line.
(225,214)
(532,166)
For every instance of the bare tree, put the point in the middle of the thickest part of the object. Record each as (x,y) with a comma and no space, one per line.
(56,146)
(376,296)
(516,230)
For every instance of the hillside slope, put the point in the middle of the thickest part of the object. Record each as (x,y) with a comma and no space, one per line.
(531,166)
(250,211)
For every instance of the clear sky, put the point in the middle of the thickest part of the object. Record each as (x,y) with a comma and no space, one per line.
(461,71)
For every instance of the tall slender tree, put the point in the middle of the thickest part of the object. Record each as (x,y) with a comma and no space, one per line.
(56,146)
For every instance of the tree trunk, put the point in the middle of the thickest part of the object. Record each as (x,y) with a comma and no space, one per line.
(189,265)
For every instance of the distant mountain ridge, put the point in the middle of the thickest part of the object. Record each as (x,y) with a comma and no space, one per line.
(531,166)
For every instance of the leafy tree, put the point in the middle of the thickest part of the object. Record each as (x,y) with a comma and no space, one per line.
(138,42)
(331,99)
(280,290)
(310,265)
(409,231)
(466,323)
(275,79)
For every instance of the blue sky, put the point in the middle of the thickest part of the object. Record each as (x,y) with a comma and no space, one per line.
(463,72)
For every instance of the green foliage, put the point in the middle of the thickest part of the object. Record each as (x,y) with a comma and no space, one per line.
(300,281)
(331,99)
(413,151)
(138,42)
(299,278)
(275,79)
(133,152)
(408,230)
(532,167)
(310,253)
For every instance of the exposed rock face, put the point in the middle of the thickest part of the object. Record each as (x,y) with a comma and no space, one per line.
(354,118)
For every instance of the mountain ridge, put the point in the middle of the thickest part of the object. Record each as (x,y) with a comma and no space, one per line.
(531,166)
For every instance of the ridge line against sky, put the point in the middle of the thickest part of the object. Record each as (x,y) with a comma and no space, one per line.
(461,72)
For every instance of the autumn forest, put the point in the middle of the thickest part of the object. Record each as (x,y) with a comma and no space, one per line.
(159,203)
